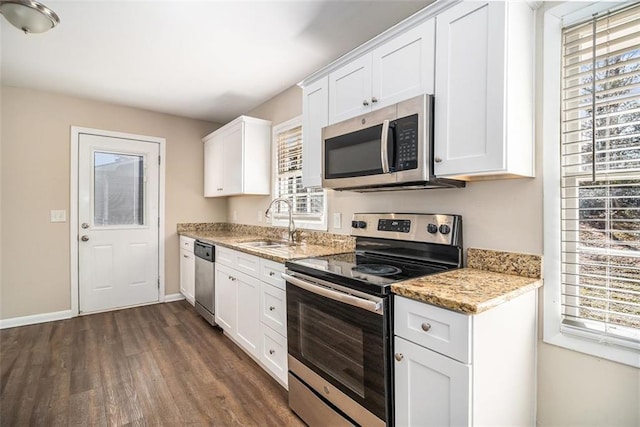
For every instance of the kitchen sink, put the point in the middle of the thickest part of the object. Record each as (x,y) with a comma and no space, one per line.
(267,244)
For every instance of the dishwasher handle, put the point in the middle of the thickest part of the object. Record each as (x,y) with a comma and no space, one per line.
(373,306)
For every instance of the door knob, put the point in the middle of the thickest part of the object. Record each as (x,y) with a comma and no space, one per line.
(84,225)
(84,238)
(437,160)
(374,100)
(399,356)
(365,102)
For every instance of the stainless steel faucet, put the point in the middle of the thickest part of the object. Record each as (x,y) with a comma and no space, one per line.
(292,225)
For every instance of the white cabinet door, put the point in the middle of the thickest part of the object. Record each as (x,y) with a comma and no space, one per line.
(430,389)
(350,90)
(469,96)
(213,167)
(233,159)
(226,298)
(187,274)
(248,316)
(315,116)
(484,90)
(404,67)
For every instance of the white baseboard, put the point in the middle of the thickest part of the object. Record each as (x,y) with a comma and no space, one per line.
(174,297)
(34,318)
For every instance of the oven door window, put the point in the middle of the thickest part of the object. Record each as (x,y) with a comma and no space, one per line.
(341,343)
(355,154)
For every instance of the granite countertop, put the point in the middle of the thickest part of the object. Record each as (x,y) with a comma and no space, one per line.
(492,278)
(232,236)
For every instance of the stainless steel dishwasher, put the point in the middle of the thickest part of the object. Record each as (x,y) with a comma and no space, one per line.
(205,280)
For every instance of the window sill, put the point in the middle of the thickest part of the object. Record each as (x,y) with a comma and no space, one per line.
(603,350)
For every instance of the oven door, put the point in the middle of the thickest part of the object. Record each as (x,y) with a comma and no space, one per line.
(338,343)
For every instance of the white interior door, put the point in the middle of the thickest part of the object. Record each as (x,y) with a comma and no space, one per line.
(118,222)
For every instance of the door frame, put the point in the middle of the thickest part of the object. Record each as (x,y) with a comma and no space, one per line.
(76,131)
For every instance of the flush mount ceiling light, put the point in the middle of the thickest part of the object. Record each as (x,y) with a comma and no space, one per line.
(29,15)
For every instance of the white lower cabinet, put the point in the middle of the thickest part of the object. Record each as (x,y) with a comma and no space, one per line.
(453,369)
(226,297)
(251,308)
(187,269)
(431,389)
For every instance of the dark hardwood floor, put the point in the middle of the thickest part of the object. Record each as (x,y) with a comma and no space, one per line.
(154,365)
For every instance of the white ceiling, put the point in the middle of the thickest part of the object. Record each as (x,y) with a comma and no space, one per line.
(211,60)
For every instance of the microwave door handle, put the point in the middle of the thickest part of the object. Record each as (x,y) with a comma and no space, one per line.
(372,306)
(384,147)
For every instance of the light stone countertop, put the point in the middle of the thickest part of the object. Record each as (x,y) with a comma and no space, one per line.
(493,277)
(466,290)
(310,244)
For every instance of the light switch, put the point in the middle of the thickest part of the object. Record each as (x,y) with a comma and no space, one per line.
(337,220)
(58,216)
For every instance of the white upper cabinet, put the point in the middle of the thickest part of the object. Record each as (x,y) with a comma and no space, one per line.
(483,109)
(237,158)
(403,67)
(399,69)
(315,116)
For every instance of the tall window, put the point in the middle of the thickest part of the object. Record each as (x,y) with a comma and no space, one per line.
(309,205)
(600,179)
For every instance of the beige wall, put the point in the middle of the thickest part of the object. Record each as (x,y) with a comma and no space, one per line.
(35,179)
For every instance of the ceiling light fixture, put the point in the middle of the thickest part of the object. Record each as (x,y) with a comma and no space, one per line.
(29,15)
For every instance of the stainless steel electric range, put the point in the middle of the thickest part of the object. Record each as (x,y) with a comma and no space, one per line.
(340,315)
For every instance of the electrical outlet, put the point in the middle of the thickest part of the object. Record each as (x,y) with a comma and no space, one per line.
(235,215)
(260,215)
(337,220)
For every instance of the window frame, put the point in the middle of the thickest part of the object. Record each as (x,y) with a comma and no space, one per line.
(554,19)
(300,222)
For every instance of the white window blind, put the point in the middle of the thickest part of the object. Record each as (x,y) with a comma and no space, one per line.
(308,203)
(600,178)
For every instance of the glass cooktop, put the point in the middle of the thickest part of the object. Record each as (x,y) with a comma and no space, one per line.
(364,269)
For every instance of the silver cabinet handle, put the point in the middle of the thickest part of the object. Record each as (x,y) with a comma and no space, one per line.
(374,100)
(272,308)
(219,189)
(399,356)
(84,225)
(271,273)
(185,256)
(365,102)
(426,326)
(271,351)
(84,238)
(233,279)
(437,160)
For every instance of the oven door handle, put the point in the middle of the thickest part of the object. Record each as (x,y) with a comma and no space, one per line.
(375,307)
(384,146)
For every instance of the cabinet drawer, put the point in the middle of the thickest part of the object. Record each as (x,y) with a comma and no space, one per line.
(274,353)
(438,329)
(271,272)
(273,308)
(225,256)
(187,243)
(247,264)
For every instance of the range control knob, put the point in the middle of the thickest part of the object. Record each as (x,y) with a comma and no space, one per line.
(354,224)
(432,228)
(445,229)
(362,224)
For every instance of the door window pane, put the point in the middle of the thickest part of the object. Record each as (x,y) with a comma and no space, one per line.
(118,195)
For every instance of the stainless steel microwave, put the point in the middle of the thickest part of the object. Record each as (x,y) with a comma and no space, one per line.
(387,149)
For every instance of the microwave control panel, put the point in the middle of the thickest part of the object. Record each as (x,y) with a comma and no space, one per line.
(406,130)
